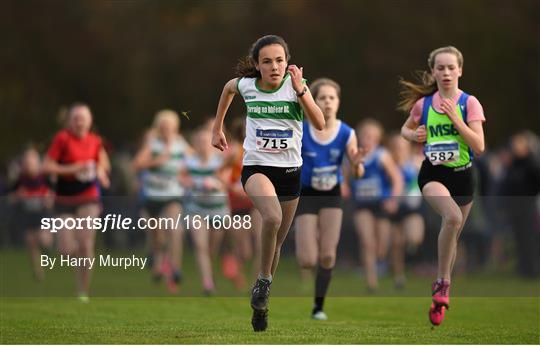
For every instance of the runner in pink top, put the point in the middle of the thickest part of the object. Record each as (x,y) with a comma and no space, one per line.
(448,122)
(474,108)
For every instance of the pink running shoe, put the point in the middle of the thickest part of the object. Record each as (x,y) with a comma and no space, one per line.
(436,314)
(172,286)
(166,267)
(229,266)
(168,273)
(440,291)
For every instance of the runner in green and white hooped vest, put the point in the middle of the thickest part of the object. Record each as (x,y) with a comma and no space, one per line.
(449,122)
(208,200)
(276,98)
(160,162)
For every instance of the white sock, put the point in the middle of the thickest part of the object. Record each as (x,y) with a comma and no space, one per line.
(262,276)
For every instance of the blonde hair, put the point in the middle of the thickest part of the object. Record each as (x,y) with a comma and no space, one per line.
(370,122)
(166,115)
(412,92)
(318,83)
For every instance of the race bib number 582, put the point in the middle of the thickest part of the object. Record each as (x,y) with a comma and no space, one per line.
(442,152)
(273,140)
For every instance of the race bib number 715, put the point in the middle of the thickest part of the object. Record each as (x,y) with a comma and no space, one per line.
(273,140)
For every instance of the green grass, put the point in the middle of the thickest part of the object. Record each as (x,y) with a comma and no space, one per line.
(346,282)
(226,320)
(126,307)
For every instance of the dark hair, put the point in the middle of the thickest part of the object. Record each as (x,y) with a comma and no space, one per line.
(246,65)
(318,83)
(412,92)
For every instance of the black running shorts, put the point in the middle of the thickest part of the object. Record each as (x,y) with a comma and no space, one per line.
(286,180)
(459,181)
(311,200)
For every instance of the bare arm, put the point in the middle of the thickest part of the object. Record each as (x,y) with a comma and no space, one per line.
(313,112)
(392,170)
(144,160)
(412,132)
(345,185)
(103,168)
(50,166)
(231,157)
(472,133)
(103,161)
(355,156)
(218,137)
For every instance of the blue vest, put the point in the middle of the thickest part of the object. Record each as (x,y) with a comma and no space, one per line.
(374,184)
(410,175)
(321,169)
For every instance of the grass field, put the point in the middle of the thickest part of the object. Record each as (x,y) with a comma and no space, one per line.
(493,309)
(193,320)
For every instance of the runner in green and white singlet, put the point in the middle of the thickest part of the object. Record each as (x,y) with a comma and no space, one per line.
(276,99)
(273,124)
(208,200)
(160,162)
(160,183)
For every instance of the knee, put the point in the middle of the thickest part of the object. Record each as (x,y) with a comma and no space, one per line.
(307,262)
(203,248)
(30,239)
(369,247)
(272,220)
(369,252)
(244,255)
(66,249)
(327,261)
(416,239)
(310,265)
(454,220)
(86,249)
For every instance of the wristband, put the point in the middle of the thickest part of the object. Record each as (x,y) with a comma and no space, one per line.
(302,93)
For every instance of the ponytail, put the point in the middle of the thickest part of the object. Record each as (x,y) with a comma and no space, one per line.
(246,68)
(412,92)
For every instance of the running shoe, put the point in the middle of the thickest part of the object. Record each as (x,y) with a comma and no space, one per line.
(173,282)
(436,314)
(319,316)
(259,320)
(259,294)
(229,266)
(440,291)
(83,297)
(399,283)
(259,304)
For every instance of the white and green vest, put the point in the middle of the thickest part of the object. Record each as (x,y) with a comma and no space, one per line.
(202,196)
(273,124)
(161,182)
(444,145)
